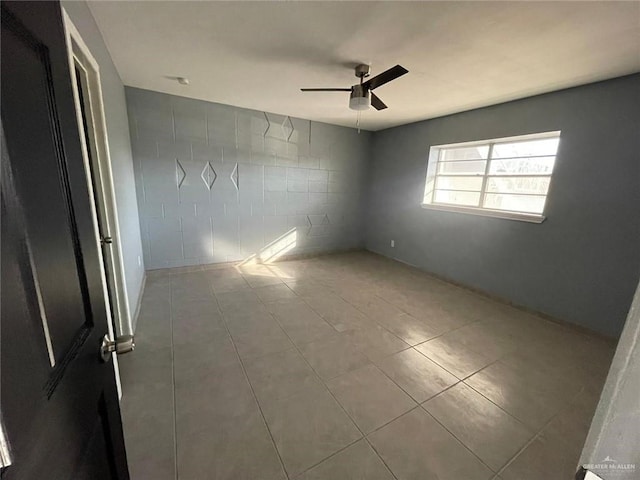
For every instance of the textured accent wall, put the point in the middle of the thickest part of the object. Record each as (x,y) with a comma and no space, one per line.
(582,263)
(217,183)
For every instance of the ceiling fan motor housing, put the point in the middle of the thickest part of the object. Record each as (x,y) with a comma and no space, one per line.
(362,70)
(360,98)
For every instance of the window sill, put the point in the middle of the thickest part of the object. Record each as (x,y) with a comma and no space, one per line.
(522,217)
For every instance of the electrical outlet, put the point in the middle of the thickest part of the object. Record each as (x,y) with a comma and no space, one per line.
(393,243)
(139,261)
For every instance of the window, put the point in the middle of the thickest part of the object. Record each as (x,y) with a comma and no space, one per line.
(507,178)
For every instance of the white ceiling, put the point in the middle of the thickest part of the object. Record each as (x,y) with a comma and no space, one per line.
(460,55)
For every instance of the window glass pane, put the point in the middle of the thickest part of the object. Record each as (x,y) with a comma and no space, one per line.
(522,166)
(464,153)
(515,203)
(459,183)
(530,148)
(462,168)
(457,198)
(533,185)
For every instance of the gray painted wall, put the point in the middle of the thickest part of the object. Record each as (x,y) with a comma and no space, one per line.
(582,264)
(119,148)
(218,183)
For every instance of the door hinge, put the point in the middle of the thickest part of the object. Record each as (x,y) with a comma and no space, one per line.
(105,240)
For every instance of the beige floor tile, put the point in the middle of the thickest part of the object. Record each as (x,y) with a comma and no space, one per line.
(228,284)
(527,395)
(217,397)
(185,308)
(145,421)
(308,427)
(147,366)
(417,447)
(489,432)
(199,329)
(375,342)
(263,340)
(301,323)
(273,293)
(571,425)
(544,458)
(341,315)
(417,375)
(247,317)
(479,338)
(410,329)
(453,356)
(192,359)
(331,316)
(333,356)
(262,278)
(357,462)
(243,451)
(369,397)
(237,299)
(374,307)
(280,375)
(562,378)
(308,288)
(152,456)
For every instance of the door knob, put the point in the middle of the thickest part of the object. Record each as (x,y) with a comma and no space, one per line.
(122,344)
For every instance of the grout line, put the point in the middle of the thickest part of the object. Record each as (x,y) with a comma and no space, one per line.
(378,453)
(483,395)
(409,346)
(173,124)
(459,441)
(419,404)
(538,433)
(327,458)
(363,435)
(244,371)
(206,123)
(318,377)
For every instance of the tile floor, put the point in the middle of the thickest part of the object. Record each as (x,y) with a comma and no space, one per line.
(350,366)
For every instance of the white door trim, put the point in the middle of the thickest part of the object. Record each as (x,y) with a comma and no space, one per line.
(79,54)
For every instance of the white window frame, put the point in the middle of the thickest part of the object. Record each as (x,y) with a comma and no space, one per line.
(432,166)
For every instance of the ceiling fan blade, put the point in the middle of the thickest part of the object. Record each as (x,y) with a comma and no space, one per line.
(376,102)
(385,77)
(325,89)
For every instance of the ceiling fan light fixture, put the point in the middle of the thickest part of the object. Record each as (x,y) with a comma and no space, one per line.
(359,103)
(360,98)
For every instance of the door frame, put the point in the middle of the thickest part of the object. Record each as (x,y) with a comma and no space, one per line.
(119,314)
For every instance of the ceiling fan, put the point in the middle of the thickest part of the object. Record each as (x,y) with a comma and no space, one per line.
(361,95)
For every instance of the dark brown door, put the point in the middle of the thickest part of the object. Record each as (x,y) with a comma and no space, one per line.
(58,399)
